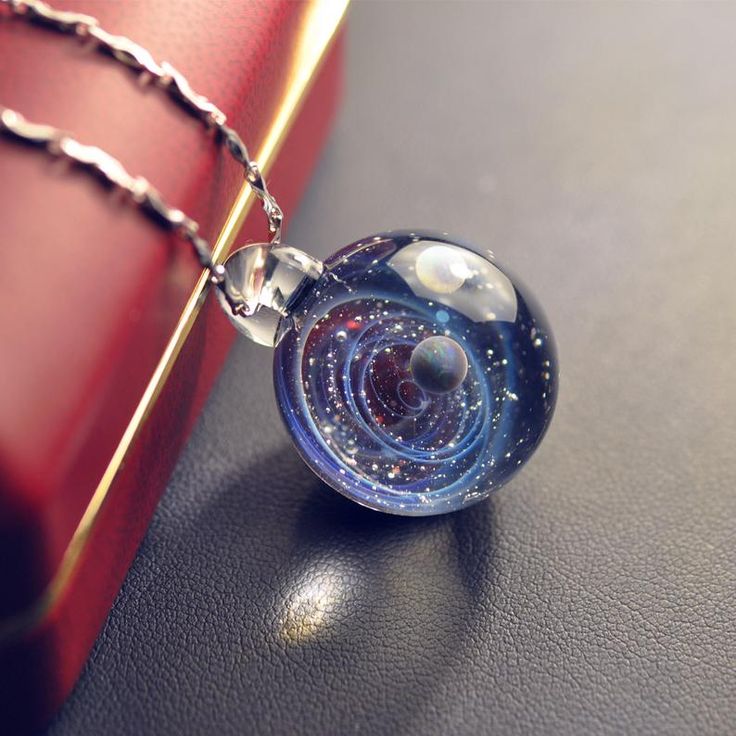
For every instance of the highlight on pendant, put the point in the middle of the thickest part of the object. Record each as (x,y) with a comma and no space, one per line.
(442,269)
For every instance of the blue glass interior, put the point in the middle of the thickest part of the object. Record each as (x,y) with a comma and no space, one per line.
(345,380)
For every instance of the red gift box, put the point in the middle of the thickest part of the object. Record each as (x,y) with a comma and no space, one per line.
(109,340)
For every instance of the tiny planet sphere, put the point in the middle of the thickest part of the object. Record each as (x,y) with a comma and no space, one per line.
(438,364)
(442,269)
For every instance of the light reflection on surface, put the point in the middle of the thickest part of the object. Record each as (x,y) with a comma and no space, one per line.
(314,600)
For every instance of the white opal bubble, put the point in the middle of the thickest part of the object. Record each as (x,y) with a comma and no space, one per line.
(442,269)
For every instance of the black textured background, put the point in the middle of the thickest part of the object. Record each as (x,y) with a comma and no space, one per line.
(593,148)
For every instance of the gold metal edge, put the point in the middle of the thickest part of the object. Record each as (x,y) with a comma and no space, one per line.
(322,22)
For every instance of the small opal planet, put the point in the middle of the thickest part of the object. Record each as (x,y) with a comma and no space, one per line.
(438,364)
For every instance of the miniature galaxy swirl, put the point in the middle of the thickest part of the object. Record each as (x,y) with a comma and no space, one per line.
(413,374)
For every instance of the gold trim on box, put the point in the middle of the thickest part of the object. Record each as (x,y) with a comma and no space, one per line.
(322,20)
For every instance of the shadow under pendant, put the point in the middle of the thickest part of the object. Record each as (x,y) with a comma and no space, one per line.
(414,375)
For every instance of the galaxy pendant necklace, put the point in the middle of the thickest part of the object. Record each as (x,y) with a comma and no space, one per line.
(414,375)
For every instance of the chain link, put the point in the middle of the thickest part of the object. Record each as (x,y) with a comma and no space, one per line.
(112,173)
(165,76)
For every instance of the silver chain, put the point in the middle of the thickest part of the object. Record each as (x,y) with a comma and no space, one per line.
(164,75)
(113,173)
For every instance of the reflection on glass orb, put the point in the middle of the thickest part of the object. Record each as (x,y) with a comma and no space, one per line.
(409,399)
(438,364)
(442,269)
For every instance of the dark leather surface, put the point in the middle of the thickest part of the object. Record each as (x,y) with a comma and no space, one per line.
(593,148)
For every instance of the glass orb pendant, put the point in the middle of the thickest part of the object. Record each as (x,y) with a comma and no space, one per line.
(413,374)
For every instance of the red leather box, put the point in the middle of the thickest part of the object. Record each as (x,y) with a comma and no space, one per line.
(109,339)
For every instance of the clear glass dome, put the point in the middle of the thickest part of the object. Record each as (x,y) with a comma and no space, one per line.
(414,375)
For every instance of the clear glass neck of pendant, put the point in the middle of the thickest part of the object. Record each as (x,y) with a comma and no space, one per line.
(271,280)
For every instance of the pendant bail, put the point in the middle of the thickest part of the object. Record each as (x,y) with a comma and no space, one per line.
(268,280)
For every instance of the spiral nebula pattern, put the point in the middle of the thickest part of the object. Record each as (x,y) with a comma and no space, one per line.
(346,389)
